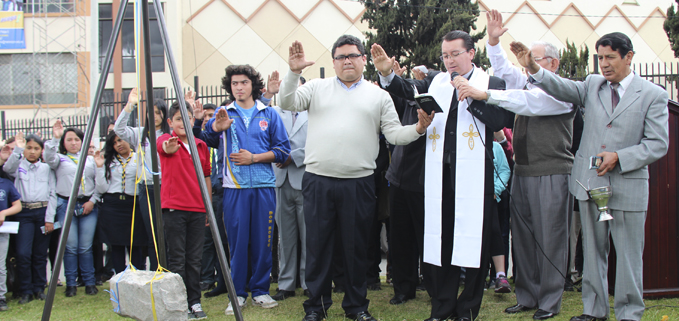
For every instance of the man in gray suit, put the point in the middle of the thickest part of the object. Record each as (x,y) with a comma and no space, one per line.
(625,124)
(289,210)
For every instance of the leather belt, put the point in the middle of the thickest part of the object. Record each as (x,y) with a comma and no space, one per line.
(33,205)
(82,199)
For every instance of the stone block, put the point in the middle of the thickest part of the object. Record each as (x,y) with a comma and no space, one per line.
(131,291)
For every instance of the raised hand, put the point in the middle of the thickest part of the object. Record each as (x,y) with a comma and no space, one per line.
(198,111)
(382,62)
(20,140)
(57,129)
(171,145)
(132,100)
(398,70)
(190,98)
(524,57)
(5,152)
(418,74)
(222,121)
(99,159)
(273,84)
(495,29)
(297,61)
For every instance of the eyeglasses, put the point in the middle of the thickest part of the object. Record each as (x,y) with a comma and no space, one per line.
(453,54)
(537,59)
(350,56)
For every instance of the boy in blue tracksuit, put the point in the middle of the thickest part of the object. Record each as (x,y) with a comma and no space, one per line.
(254,137)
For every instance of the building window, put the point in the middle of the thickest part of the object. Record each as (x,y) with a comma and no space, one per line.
(47,6)
(105,30)
(127,38)
(49,78)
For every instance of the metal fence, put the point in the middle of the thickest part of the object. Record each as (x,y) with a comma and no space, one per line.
(40,126)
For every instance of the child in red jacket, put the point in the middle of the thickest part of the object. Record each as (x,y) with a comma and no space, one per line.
(183,207)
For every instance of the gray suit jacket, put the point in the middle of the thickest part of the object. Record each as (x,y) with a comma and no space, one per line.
(297,137)
(637,130)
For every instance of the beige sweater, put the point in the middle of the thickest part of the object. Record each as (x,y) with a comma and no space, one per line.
(344,126)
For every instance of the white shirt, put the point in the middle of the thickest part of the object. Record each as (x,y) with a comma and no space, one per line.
(530,102)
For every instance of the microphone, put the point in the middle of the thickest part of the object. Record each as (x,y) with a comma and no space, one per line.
(453,75)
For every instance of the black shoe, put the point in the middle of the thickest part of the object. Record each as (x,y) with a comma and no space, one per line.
(374,287)
(543,315)
(205,286)
(433,319)
(282,295)
(586,317)
(307,293)
(80,283)
(39,295)
(91,290)
(517,308)
(25,298)
(399,299)
(314,316)
(71,291)
(99,282)
(215,292)
(361,316)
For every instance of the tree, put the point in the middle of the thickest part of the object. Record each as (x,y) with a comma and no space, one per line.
(671,26)
(411,30)
(574,65)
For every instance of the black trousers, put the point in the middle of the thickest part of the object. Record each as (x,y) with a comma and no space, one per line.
(442,282)
(337,206)
(405,240)
(185,248)
(144,208)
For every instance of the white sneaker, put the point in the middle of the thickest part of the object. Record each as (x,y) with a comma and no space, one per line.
(241,303)
(264,301)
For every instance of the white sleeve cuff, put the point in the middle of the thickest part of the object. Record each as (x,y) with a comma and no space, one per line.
(386,81)
(538,76)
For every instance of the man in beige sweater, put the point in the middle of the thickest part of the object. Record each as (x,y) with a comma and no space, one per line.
(346,116)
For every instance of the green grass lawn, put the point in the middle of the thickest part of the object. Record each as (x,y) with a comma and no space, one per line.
(99,307)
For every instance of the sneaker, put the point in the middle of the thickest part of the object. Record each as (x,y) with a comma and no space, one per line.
(3,305)
(25,298)
(264,301)
(241,303)
(502,285)
(197,312)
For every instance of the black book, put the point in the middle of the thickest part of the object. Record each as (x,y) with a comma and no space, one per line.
(427,103)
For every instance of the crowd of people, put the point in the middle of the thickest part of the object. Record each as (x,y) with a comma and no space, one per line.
(305,187)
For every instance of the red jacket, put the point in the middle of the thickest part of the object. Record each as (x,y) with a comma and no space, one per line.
(179,189)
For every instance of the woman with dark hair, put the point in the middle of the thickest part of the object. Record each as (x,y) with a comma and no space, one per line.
(116,174)
(36,182)
(62,153)
(134,136)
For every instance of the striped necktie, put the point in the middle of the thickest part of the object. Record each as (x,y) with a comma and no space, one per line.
(615,97)
(123,164)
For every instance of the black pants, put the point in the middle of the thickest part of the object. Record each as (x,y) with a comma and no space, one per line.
(337,206)
(442,282)
(210,260)
(144,208)
(185,231)
(136,257)
(406,236)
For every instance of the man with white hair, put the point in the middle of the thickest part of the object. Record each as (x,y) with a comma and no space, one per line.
(541,204)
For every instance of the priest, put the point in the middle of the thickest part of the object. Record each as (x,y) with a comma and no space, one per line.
(458,175)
